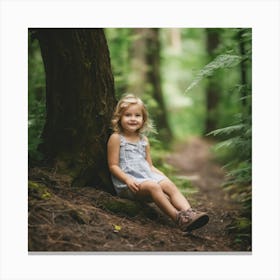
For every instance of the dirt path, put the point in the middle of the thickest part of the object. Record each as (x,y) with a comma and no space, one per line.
(194,161)
(61,218)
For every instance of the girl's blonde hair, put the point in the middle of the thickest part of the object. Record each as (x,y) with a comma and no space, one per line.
(125,101)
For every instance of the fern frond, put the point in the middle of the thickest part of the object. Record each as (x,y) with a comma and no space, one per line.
(234,143)
(242,174)
(227,130)
(220,62)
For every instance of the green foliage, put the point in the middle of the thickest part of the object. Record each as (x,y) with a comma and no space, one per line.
(224,70)
(222,61)
(36,98)
(186,112)
(238,138)
(241,228)
(236,151)
(187,121)
(235,146)
(119,42)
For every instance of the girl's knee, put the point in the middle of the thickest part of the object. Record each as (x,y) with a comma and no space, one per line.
(151,187)
(156,188)
(168,187)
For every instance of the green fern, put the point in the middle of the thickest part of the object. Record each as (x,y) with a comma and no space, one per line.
(222,61)
(228,130)
(240,175)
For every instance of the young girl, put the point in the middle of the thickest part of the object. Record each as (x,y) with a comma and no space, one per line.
(133,173)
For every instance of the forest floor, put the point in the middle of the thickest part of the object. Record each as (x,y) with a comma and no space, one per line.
(62,218)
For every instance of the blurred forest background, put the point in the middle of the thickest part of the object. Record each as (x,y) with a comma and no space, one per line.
(195,82)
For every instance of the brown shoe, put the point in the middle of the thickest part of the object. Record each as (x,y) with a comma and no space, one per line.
(191,219)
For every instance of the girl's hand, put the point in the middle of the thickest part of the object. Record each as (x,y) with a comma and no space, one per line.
(133,186)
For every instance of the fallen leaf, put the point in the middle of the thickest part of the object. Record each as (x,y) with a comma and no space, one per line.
(117,228)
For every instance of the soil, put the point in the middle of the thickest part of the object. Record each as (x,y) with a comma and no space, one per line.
(62,218)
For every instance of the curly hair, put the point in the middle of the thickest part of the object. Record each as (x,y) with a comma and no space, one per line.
(125,101)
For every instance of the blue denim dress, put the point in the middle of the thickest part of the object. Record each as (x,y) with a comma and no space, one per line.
(133,162)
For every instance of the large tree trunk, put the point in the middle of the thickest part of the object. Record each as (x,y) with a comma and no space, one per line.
(79,102)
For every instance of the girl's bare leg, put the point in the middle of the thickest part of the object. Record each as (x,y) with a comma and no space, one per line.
(154,190)
(176,197)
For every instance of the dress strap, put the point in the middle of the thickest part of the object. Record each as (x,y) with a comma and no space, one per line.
(143,140)
(122,139)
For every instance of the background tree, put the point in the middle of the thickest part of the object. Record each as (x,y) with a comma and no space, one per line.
(137,76)
(154,81)
(213,89)
(79,103)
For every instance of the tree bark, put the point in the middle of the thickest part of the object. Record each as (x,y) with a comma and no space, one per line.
(213,88)
(79,103)
(154,78)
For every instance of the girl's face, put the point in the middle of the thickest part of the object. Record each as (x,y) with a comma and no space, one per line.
(132,118)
